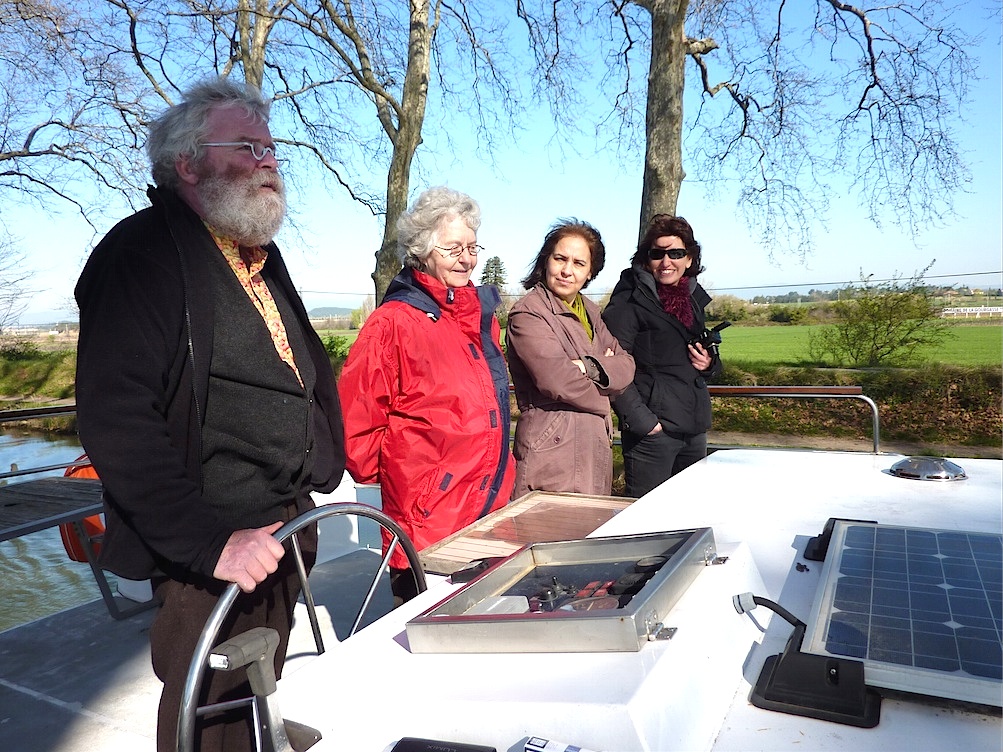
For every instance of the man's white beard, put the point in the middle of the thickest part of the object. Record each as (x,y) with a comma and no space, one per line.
(235,208)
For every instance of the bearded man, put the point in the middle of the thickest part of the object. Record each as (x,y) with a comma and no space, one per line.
(205,400)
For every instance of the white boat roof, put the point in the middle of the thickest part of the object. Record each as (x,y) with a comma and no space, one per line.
(687,693)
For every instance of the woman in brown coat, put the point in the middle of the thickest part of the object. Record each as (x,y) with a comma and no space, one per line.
(565,365)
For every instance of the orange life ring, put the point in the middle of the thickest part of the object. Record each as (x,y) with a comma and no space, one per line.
(93,526)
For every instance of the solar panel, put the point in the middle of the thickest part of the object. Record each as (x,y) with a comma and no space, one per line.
(923,609)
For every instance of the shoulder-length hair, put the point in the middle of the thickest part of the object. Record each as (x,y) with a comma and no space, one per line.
(417,228)
(562,229)
(666,224)
(181,129)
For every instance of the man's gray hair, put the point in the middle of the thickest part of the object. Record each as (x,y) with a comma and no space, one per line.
(180,129)
(418,227)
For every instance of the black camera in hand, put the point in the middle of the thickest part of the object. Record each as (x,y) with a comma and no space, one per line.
(711,338)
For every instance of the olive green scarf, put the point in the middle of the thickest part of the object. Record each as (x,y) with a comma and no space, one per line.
(578,308)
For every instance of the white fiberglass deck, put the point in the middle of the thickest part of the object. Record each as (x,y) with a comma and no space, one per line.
(79,681)
(690,692)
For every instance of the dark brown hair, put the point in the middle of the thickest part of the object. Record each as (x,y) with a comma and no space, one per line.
(665,224)
(562,229)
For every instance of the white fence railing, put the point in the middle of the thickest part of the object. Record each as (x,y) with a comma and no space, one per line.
(973,311)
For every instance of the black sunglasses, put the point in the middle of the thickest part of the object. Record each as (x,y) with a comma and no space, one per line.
(656,254)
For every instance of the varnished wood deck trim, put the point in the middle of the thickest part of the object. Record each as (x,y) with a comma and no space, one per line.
(538,517)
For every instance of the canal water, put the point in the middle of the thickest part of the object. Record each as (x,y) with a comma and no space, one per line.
(38,579)
(36,576)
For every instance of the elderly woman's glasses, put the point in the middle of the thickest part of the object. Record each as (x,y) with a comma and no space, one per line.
(258,150)
(455,251)
(657,254)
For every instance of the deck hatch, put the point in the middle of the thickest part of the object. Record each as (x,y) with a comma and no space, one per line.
(590,595)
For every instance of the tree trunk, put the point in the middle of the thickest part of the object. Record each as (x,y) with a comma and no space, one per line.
(663,158)
(406,140)
(253,28)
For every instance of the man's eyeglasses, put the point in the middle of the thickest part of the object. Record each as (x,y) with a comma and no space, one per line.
(455,251)
(258,150)
(656,254)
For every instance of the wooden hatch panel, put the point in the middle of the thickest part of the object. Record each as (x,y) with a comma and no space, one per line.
(537,517)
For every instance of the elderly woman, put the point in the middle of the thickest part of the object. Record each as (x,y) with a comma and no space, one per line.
(425,389)
(656,311)
(565,365)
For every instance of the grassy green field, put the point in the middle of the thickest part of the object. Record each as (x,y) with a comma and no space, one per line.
(974,345)
(350,334)
(965,345)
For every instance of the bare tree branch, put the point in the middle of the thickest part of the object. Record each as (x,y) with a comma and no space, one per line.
(774,113)
(791,99)
(13,283)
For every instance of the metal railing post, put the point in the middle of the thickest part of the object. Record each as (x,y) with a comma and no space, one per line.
(806,392)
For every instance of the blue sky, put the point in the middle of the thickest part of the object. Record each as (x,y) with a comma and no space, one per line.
(331,249)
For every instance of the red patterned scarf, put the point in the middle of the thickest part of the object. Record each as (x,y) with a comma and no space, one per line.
(675,299)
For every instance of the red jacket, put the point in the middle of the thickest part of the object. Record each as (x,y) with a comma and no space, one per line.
(426,407)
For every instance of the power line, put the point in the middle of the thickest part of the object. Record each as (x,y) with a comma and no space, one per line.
(785,285)
(830,284)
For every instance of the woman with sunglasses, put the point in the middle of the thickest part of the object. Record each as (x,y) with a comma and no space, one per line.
(656,312)
(425,389)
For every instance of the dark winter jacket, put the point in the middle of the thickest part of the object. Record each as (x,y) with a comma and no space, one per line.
(146,338)
(667,389)
(426,401)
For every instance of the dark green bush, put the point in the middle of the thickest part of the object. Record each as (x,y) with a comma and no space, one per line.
(337,348)
(19,349)
(788,314)
(727,308)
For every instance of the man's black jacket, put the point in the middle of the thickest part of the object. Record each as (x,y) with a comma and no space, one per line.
(146,331)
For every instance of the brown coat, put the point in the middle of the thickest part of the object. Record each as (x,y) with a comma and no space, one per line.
(564,434)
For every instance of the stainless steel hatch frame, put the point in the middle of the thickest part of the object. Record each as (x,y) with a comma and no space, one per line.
(464,621)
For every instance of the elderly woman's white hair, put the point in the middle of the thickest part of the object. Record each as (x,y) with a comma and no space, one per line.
(417,228)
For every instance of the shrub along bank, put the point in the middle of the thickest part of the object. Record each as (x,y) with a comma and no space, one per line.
(28,373)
